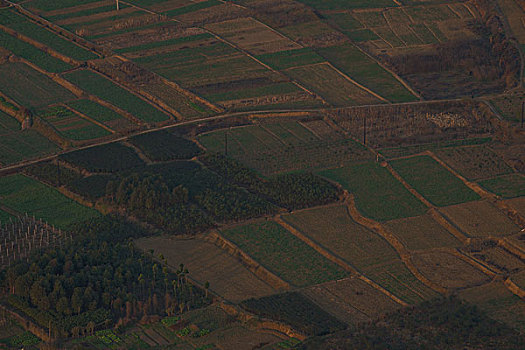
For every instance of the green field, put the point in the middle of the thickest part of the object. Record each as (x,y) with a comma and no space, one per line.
(347,5)
(378,194)
(5,217)
(507,186)
(284,254)
(51,5)
(291,58)
(99,113)
(32,54)
(23,25)
(30,88)
(17,145)
(267,90)
(107,90)
(26,195)
(366,71)
(398,280)
(72,126)
(334,229)
(82,13)
(435,183)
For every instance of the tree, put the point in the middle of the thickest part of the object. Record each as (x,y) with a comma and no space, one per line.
(77,300)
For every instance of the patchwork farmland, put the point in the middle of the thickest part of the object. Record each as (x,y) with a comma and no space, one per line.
(263,173)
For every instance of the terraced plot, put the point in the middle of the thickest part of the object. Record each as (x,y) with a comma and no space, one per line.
(287,146)
(25,195)
(398,280)
(378,194)
(421,232)
(351,300)
(334,229)
(118,96)
(498,302)
(17,145)
(101,114)
(32,54)
(283,253)
(24,26)
(364,70)
(480,219)
(30,88)
(291,58)
(435,183)
(448,270)
(321,79)
(506,186)
(208,263)
(71,125)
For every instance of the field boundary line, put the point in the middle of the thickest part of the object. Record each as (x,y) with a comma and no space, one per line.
(405,184)
(475,263)
(403,252)
(251,264)
(448,226)
(511,247)
(83,116)
(514,288)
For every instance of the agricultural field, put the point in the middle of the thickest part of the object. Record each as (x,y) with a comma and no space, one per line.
(495,256)
(71,125)
(31,88)
(118,96)
(277,147)
(378,194)
(432,181)
(506,186)
(366,71)
(208,263)
(282,253)
(398,280)
(333,229)
(421,232)
(480,219)
(498,302)
(25,195)
(320,78)
(478,162)
(101,114)
(25,26)
(32,54)
(17,145)
(351,300)
(517,204)
(448,270)
(164,146)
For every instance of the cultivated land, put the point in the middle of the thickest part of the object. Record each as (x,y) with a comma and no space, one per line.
(409,109)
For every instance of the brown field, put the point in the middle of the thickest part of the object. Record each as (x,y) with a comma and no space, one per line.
(334,229)
(206,262)
(448,270)
(313,34)
(351,300)
(321,129)
(474,162)
(421,232)
(480,219)
(252,36)
(321,79)
(518,204)
(488,252)
(500,304)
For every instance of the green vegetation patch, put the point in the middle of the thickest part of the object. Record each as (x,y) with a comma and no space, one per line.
(17,145)
(112,157)
(96,111)
(32,54)
(5,217)
(283,253)
(295,309)
(272,89)
(507,186)
(120,97)
(29,87)
(24,26)
(366,71)
(326,5)
(51,5)
(378,194)
(26,195)
(164,146)
(434,182)
(291,58)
